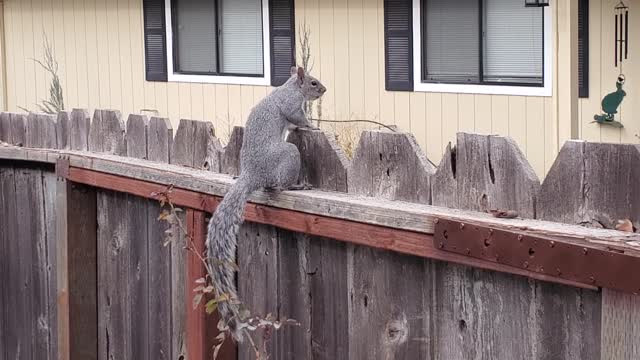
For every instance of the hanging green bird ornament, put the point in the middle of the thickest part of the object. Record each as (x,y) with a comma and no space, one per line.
(610,104)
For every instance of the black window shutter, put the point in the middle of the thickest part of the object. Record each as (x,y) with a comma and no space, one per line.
(398,45)
(282,38)
(583,48)
(155,44)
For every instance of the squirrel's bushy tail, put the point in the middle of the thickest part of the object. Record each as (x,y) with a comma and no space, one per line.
(221,250)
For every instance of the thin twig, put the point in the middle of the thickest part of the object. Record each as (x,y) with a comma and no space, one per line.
(352,121)
(164,197)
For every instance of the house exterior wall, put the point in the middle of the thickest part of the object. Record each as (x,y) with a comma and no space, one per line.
(603,74)
(99,45)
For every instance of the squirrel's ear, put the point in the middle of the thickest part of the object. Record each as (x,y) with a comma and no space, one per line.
(294,70)
(300,73)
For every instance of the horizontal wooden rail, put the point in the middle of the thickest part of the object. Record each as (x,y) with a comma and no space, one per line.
(393,225)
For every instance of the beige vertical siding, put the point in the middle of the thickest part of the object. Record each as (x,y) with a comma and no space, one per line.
(3,82)
(603,74)
(99,45)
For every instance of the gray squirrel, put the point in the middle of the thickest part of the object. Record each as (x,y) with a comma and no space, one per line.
(266,161)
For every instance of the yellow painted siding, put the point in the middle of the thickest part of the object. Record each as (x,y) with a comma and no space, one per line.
(3,82)
(603,74)
(99,45)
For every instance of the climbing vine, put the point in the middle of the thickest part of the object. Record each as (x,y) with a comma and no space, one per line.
(203,288)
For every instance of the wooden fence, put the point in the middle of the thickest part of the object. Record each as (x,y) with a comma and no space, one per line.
(69,243)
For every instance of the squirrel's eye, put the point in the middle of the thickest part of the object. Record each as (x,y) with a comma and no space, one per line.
(314,83)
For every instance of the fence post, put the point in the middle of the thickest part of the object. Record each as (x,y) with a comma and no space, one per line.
(596,185)
(76,213)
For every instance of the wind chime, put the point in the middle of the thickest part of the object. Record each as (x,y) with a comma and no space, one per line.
(622,33)
(611,102)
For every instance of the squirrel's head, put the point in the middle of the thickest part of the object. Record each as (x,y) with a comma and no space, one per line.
(311,87)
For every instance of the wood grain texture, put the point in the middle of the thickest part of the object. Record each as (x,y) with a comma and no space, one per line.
(178,292)
(107,132)
(11,284)
(32,309)
(595,185)
(79,130)
(4,269)
(18,130)
(311,283)
(5,127)
(63,129)
(391,158)
(230,158)
(599,182)
(488,172)
(159,140)
(160,300)
(387,309)
(620,325)
(393,214)
(324,163)
(136,136)
(136,240)
(81,264)
(159,137)
(195,146)
(114,292)
(41,131)
(47,251)
(179,267)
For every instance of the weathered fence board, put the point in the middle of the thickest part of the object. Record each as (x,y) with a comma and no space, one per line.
(136,136)
(5,127)
(79,130)
(230,158)
(195,145)
(114,248)
(107,133)
(389,159)
(620,326)
(390,301)
(159,140)
(178,290)
(483,173)
(4,269)
(63,129)
(596,185)
(10,282)
(28,283)
(77,269)
(490,172)
(41,131)
(319,263)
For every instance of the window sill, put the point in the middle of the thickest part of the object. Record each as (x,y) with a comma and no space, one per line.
(485,89)
(212,79)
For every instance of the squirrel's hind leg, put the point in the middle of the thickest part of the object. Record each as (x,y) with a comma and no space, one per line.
(287,169)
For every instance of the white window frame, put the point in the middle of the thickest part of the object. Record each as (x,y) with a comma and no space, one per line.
(545,90)
(264,80)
